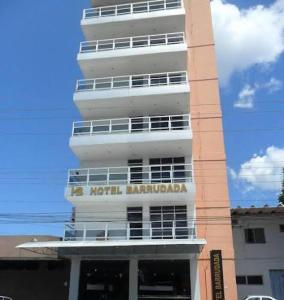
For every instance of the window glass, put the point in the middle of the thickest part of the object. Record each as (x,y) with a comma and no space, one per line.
(254,235)
(281,227)
(241,279)
(255,279)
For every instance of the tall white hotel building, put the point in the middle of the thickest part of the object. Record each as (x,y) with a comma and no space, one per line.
(150,196)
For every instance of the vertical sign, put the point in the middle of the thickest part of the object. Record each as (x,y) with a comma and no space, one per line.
(217,275)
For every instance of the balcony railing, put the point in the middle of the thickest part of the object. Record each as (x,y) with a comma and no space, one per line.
(132,81)
(140,174)
(131,125)
(132,42)
(125,231)
(131,8)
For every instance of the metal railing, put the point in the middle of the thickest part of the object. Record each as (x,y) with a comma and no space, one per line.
(132,42)
(125,231)
(131,8)
(140,174)
(132,81)
(131,125)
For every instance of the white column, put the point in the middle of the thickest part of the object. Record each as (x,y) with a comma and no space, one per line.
(74,279)
(133,279)
(194,279)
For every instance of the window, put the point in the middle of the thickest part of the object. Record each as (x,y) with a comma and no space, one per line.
(134,217)
(163,172)
(281,227)
(241,279)
(255,279)
(249,279)
(254,235)
(136,170)
(165,219)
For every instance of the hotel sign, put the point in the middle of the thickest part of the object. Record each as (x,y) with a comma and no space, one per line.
(133,189)
(217,275)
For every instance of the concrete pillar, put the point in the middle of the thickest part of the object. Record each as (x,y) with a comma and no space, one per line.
(194,279)
(74,279)
(133,279)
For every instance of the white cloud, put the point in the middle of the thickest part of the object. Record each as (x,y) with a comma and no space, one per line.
(264,172)
(247,37)
(246,97)
(273,85)
(247,94)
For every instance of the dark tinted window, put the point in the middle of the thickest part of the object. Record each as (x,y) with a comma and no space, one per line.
(281,227)
(254,235)
(241,279)
(255,279)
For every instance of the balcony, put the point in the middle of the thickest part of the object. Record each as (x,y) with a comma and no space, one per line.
(133,18)
(124,138)
(126,231)
(166,183)
(149,53)
(141,94)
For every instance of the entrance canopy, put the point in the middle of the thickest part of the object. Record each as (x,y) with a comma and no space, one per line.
(112,247)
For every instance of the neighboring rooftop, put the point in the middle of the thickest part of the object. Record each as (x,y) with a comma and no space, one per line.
(252,211)
(8,248)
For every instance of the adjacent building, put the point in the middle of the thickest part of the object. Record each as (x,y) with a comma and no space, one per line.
(259,249)
(151,208)
(32,275)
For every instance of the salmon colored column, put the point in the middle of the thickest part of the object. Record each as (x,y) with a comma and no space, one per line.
(212,200)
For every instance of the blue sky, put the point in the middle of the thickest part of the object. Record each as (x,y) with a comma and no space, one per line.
(39,43)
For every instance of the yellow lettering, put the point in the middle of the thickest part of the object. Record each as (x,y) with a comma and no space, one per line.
(142,189)
(106,189)
(149,188)
(135,189)
(77,191)
(93,191)
(170,188)
(113,190)
(129,189)
(183,188)
(163,188)
(119,192)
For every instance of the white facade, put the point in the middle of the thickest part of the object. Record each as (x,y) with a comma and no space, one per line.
(133,194)
(260,257)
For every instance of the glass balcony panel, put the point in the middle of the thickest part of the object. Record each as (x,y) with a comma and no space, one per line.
(105,45)
(140,42)
(177,78)
(95,234)
(158,40)
(122,43)
(173,4)
(108,11)
(124,9)
(101,129)
(92,13)
(82,130)
(118,177)
(140,81)
(121,82)
(140,7)
(103,84)
(174,38)
(85,85)
(98,179)
(156,5)
(160,79)
(89,47)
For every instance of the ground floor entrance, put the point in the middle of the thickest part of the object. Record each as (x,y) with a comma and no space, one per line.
(134,279)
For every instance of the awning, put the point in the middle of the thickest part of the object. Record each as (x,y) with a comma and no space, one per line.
(112,247)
